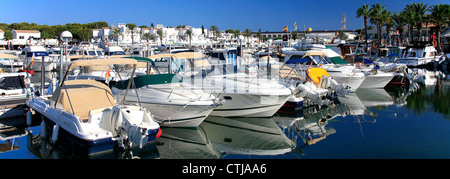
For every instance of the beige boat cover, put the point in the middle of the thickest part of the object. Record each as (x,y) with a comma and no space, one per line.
(183,55)
(286,72)
(7,56)
(83,96)
(105,62)
(80,56)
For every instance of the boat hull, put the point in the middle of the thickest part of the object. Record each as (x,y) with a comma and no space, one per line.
(179,115)
(376,81)
(89,147)
(352,81)
(249,105)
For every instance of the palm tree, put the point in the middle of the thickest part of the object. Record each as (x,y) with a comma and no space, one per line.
(146,37)
(376,17)
(189,34)
(247,33)
(399,23)
(420,11)
(215,30)
(410,18)
(364,12)
(117,33)
(131,26)
(388,22)
(236,33)
(160,34)
(440,16)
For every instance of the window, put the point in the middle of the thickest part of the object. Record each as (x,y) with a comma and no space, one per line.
(21,37)
(12,82)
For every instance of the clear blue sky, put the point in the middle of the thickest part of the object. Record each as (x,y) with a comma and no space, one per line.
(269,15)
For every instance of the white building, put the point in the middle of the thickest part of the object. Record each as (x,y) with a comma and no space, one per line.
(95,33)
(170,35)
(21,37)
(2,34)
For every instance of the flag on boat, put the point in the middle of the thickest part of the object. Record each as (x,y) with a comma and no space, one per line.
(295,25)
(107,75)
(285,29)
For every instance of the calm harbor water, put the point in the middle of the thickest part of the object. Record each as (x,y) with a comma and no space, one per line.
(395,122)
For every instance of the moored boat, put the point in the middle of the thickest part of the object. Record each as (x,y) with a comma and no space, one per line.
(84,115)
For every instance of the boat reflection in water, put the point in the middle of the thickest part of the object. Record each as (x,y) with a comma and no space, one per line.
(186,143)
(248,137)
(309,126)
(44,149)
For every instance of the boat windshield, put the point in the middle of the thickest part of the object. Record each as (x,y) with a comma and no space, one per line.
(319,60)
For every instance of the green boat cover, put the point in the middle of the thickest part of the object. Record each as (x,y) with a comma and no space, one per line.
(338,60)
(141,81)
(142,59)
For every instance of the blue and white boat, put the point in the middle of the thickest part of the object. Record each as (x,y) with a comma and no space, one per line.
(84,115)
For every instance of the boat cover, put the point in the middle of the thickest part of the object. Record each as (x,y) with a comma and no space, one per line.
(314,74)
(141,81)
(81,96)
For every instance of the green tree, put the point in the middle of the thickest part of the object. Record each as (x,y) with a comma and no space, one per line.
(118,34)
(160,34)
(388,22)
(132,27)
(215,30)
(364,12)
(376,18)
(399,23)
(189,34)
(440,16)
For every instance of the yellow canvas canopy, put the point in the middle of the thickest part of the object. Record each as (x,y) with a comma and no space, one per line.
(105,62)
(7,56)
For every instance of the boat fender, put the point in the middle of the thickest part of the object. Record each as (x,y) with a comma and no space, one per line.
(29,118)
(159,133)
(43,129)
(55,133)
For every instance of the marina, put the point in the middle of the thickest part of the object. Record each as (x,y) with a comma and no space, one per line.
(107,91)
(397,123)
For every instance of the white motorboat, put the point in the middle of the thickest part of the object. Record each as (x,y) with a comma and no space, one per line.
(374,78)
(83,114)
(420,56)
(114,51)
(171,102)
(13,94)
(36,56)
(244,95)
(344,75)
(10,62)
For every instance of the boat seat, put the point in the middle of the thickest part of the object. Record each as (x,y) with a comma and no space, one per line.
(81,96)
